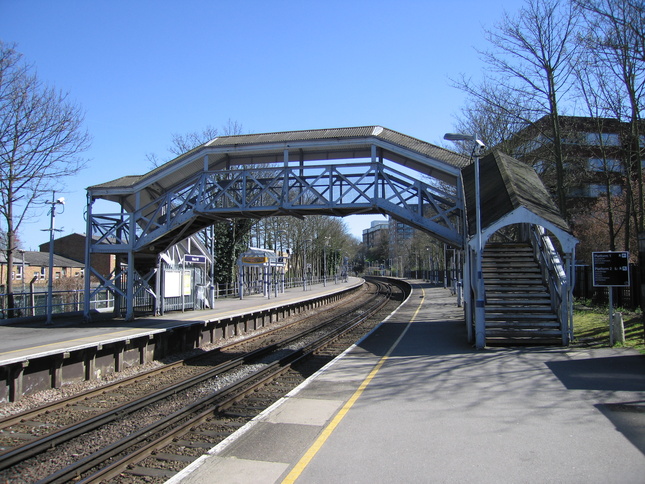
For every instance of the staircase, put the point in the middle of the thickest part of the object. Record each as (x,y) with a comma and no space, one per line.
(518,304)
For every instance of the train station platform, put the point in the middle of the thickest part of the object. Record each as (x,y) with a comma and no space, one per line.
(413,402)
(33,339)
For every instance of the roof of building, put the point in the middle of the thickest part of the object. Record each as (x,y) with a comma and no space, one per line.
(40,259)
(265,148)
(506,185)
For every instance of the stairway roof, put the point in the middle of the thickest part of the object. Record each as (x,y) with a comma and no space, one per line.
(506,186)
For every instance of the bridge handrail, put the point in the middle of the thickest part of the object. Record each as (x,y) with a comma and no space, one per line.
(330,182)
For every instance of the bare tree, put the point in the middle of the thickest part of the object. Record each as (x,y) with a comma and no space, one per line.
(41,139)
(494,117)
(227,239)
(530,63)
(615,35)
(182,143)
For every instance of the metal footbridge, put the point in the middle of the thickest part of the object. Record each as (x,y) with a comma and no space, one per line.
(339,172)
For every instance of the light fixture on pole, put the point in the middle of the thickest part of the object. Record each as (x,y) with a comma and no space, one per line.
(480,315)
(51,230)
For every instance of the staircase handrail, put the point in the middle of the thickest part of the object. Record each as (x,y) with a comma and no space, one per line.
(553,273)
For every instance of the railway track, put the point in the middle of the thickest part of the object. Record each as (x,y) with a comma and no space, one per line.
(222,378)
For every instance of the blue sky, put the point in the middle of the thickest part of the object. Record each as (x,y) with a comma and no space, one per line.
(144,70)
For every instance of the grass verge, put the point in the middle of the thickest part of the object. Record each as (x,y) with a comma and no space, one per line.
(591,328)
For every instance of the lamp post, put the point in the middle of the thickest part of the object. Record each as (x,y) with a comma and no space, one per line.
(480,314)
(281,258)
(51,230)
(325,262)
(304,265)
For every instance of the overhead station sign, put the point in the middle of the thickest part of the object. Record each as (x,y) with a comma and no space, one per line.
(195,259)
(610,269)
(254,260)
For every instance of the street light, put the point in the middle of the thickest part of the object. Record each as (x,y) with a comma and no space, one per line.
(480,315)
(51,230)
(304,265)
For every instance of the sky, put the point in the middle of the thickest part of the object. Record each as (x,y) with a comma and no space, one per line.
(144,70)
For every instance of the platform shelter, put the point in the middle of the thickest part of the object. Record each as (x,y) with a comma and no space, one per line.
(260,268)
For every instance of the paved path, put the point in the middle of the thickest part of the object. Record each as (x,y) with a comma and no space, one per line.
(415,403)
(25,340)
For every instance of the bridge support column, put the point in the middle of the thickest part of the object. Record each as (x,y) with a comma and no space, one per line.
(480,310)
(87,273)
(129,308)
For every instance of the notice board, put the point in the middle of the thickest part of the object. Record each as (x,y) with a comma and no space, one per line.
(610,269)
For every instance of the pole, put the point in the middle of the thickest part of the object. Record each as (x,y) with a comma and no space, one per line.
(611,315)
(50,282)
(480,311)
(325,267)
(304,267)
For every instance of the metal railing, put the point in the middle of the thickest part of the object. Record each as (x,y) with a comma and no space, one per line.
(34,303)
(555,277)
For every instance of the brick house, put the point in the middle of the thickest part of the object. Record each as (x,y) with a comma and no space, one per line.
(33,266)
(73,247)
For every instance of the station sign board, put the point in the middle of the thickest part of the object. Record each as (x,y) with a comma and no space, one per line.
(255,260)
(610,269)
(194,259)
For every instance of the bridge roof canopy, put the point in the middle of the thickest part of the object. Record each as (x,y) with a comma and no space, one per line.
(511,192)
(293,147)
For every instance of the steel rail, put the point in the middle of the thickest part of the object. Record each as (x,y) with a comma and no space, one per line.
(30,449)
(227,396)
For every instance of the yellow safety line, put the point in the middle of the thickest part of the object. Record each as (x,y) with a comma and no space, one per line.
(322,438)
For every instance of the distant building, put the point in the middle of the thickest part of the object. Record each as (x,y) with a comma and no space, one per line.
(31,266)
(377,230)
(595,152)
(73,247)
(399,233)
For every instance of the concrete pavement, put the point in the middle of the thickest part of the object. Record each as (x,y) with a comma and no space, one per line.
(413,402)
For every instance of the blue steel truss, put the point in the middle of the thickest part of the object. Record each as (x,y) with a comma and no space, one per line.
(340,190)
(340,171)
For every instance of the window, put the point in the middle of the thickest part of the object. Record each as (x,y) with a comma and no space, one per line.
(540,166)
(597,190)
(593,191)
(600,165)
(530,146)
(603,139)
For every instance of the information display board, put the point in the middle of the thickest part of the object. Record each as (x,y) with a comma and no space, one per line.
(610,269)
(195,259)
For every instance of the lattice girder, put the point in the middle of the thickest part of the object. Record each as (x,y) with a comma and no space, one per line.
(257,192)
